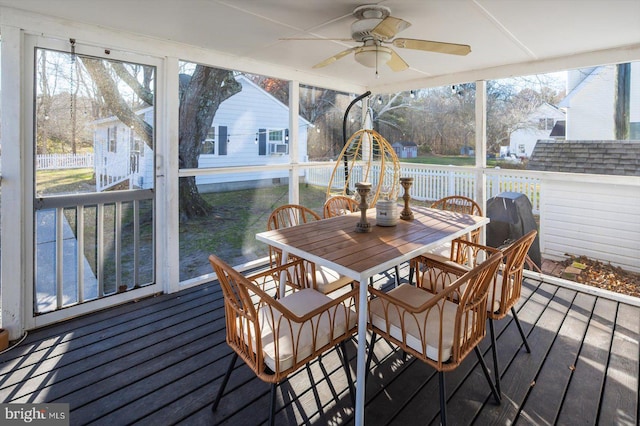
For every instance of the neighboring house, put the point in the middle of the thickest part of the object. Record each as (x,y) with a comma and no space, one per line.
(589,103)
(539,125)
(405,149)
(593,157)
(249,129)
(121,155)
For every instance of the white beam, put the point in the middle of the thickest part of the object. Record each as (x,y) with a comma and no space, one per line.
(14,212)
(580,60)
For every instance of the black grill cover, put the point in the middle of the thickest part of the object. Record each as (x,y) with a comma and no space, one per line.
(511,218)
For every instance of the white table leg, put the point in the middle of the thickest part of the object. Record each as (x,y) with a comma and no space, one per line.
(362,352)
(283,274)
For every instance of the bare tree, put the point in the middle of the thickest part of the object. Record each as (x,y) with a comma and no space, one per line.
(200,97)
(622,101)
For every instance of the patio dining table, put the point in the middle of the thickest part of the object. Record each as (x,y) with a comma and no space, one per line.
(334,243)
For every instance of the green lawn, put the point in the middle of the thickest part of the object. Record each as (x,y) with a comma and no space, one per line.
(459,160)
(65,181)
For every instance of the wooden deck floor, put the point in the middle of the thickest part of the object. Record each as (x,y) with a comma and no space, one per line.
(159,361)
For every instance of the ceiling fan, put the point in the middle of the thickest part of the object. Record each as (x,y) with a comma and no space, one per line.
(375,27)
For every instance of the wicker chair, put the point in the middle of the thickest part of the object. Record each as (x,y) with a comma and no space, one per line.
(323,279)
(440,328)
(338,205)
(453,203)
(275,337)
(505,290)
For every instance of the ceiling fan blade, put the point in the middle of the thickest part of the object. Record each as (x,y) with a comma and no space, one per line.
(433,46)
(334,58)
(396,63)
(315,39)
(389,27)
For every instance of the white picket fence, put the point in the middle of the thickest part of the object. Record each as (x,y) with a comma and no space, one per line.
(64,161)
(431,182)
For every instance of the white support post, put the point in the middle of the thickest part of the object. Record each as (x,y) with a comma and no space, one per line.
(167,180)
(294,108)
(14,194)
(481,148)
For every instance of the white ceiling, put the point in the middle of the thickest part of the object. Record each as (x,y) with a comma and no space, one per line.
(500,32)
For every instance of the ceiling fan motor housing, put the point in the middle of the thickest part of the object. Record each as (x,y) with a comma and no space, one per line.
(369,16)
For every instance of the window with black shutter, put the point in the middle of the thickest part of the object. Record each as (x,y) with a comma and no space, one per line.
(262,142)
(222,140)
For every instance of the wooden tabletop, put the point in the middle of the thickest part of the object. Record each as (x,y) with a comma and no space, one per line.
(335,243)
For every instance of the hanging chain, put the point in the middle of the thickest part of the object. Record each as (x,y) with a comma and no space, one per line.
(71,83)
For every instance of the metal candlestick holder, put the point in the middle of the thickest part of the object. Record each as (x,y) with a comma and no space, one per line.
(363,189)
(406,213)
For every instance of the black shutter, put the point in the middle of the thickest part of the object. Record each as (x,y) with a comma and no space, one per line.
(262,142)
(286,135)
(222,140)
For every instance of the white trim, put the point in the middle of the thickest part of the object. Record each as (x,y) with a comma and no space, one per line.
(13,193)
(562,63)
(583,288)
(26,212)
(88,307)
(294,142)
(167,181)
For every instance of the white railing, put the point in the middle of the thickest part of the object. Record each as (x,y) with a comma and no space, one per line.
(432,182)
(63,161)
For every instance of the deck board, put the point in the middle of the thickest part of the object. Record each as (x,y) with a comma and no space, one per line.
(161,360)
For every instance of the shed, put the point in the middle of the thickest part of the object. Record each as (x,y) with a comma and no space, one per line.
(405,149)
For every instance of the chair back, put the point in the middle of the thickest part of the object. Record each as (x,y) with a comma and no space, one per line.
(339,205)
(285,217)
(510,274)
(458,204)
(290,215)
(240,314)
(471,318)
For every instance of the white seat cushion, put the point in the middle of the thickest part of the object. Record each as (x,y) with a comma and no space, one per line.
(419,326)
(328,280)
(299,336)
(440,254)
(496,295)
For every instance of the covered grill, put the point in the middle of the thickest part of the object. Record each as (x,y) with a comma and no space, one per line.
(511,217)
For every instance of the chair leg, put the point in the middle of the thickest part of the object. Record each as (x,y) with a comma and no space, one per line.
(443,399)
(272,409)
(524,338)
(411,274)
(347,370)
(397,276)
(370,354)
(485,370)
(214,406)
(494,352)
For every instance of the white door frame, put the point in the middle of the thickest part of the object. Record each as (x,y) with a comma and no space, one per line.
(29,320)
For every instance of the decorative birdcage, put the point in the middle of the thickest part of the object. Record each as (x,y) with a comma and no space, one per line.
(366,157)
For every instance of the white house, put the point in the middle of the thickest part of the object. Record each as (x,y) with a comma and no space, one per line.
(249,128)
(121,155)
(539,125)
(589,103)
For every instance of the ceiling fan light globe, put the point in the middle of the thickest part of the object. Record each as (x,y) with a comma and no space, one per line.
(373,56)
